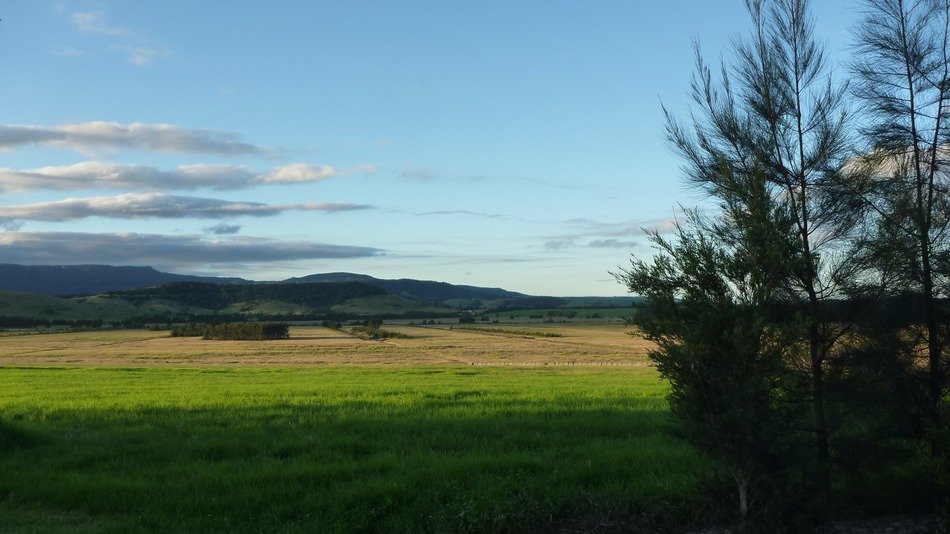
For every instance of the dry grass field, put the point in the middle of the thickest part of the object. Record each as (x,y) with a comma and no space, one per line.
(576,345)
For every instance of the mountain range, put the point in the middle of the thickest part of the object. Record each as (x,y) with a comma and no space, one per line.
(82,280)
(143,294)
(77,280)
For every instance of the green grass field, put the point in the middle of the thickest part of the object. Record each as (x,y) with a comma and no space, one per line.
(341,448)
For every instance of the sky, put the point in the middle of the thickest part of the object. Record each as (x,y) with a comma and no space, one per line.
(492,143)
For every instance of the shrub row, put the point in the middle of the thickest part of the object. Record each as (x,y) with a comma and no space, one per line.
(14,321)
(525,333)
(233,331)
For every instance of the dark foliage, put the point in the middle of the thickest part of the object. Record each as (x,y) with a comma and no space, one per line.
(12,321)
(217,296)
(902,76)
(366,332)
(710,294)
(233,331)
(423,290)
(820,282)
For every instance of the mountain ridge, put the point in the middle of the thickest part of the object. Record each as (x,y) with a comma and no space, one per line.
(93,279)
(424,290)
(75,280)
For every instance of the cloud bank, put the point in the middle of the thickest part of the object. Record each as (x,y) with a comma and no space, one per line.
(148,249)
(100,136)
(590,227)
(157,206)
(606,235)
(92,175)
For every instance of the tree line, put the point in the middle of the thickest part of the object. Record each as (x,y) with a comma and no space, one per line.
(802,319)
(233,331)
(316,295)
(17,321)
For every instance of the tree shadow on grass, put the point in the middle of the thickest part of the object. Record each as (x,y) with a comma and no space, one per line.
(444,462)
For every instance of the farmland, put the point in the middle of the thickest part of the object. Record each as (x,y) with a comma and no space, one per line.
(447,430)
(577,345)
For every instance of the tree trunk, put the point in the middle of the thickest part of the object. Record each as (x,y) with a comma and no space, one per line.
(742,484)
(818,404)
(936,378)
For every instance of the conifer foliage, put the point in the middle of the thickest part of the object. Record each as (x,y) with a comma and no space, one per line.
(802,322)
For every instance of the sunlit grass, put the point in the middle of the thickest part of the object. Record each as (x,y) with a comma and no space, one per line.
(445,448)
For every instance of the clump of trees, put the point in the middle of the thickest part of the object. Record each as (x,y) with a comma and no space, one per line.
(803,322)
(189,330)
(371,329)
(233,331)
(332,325)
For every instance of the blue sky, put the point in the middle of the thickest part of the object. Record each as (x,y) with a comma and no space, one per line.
(511,144)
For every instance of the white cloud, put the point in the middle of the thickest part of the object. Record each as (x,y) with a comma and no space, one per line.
(304,172)
(590,227)
(664,227)
(99,136)
(298,172)
(600,234)
(462,212)
(93,175)
(150,249)
(95,23)
(161,206)
(141,56)
(426,174)
(132,45)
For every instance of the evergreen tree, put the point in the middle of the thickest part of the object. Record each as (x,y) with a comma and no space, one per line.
(777,111)
(903,82)
(712,291)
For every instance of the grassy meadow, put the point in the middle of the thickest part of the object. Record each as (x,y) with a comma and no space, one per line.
(108,431)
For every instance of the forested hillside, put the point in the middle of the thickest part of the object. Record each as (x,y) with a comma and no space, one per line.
(218,296)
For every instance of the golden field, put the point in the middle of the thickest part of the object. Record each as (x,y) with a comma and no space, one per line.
(315,345)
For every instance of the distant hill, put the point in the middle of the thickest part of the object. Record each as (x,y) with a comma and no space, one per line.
(115,293)
(69,280)
(422,290)
(315,296)
(76,280)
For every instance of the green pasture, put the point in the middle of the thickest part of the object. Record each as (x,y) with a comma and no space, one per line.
(402,449)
